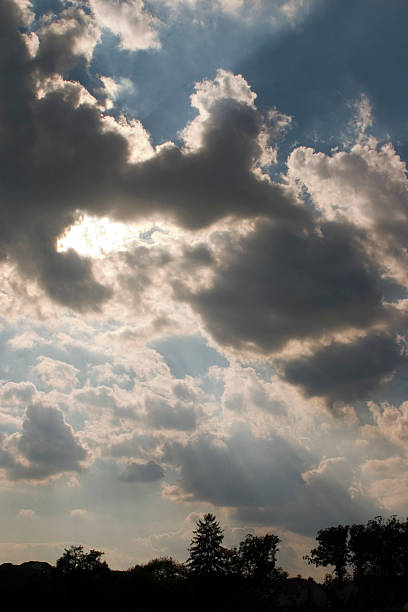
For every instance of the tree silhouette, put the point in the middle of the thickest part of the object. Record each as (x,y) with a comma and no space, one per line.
(161,569)
(206,553)
(403,550)
(332,549)
(379,548)
(75,560)
(258,556)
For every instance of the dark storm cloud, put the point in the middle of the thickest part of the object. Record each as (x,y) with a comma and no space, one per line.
(51,155)
(67,278)
(203,186)
(280,284)
(142,472)
(346,372)
(57,157)
(46,446)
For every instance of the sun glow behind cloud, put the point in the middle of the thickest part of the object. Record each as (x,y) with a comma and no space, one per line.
(96,237)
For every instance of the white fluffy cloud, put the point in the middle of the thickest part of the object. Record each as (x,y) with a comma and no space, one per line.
(56,374)
(229,86)
(366,185)
(71,34)
(128,19)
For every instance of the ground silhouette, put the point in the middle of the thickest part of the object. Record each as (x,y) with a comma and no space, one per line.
(368,563)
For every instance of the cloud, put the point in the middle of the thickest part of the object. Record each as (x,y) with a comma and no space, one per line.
(17,393)
(6,457)
(26,9)
(26,340)
(239,471)
(390,421)
(162,414)
(333,493)
(226,85)
(133,445)
(142,472)
(347,371)
(30,141)
(8,423)
(264,481)
(329,490)
(367,185)
(229,86)
(47,446)
(188,355)
(128,19)
(79,513)
(294,9)
(61,155)
(56,374)
(218,176)
(234,300)
(269,10)
(289,285)
(26,513)
(73,33)
(213,5)
(64,38)
(113,89)
(306,278)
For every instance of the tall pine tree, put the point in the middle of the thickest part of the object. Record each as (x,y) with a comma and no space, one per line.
(206,553)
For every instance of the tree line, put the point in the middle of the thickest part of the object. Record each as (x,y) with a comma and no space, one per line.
(376,549)
(369,563)
(255,558)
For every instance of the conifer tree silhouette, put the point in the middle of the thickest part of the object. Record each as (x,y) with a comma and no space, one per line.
(206,553)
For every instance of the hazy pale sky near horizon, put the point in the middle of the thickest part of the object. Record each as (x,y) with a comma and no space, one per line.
(203,259)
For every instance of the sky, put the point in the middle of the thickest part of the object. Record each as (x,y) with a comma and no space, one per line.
(203,263)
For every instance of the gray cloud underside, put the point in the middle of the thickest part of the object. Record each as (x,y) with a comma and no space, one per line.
(162,415)
(46,446)
(142,472)
(239,471)
(262,480)
(346,372)
(279,284)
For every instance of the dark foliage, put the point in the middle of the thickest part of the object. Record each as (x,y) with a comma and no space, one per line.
(370,571)
(161,569)
(258,556)
(377,549)
(332,549)
(206,552)
(75,560)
